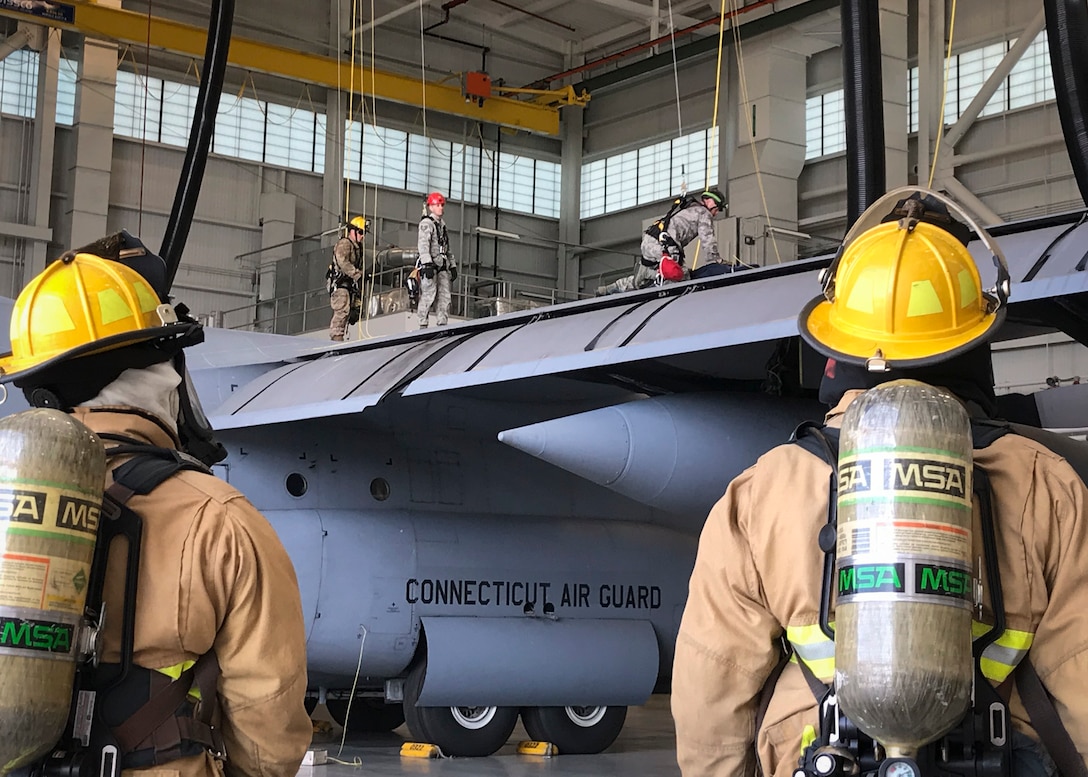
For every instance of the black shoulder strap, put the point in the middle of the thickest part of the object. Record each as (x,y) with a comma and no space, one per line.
(149,466)
(1047,723)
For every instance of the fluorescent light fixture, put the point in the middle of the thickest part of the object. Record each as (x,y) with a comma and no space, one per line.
(496,233)
(789,233)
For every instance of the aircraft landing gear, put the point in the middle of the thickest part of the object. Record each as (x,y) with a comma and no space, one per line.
(368,714)
(575,730)
(460,731)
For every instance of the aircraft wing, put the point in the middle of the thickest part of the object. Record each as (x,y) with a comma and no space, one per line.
(711,333)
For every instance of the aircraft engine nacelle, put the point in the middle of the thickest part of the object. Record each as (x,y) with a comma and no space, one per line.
(516,610)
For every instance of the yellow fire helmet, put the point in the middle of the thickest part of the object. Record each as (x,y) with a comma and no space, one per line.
(80,305)
(360,224)
(903,290)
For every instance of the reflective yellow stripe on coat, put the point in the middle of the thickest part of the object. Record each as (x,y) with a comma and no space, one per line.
(174,672)
(999,659)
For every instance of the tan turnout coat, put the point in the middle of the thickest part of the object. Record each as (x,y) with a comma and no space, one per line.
(757,578)
(213,573)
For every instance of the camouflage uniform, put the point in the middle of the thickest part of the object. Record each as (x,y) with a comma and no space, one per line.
(684,226)
(434,244)
(346,258)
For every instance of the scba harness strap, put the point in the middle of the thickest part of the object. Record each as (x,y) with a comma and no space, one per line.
(125,716)
(974,750)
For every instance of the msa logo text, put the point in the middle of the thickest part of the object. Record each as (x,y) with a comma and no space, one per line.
(42,636)
(78,515)
(871,578)
(22,505)
(941,581)
(937,477)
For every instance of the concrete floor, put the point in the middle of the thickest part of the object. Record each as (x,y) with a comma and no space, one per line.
(646,747)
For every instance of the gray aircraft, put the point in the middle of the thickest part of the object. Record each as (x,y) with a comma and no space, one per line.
(500,518)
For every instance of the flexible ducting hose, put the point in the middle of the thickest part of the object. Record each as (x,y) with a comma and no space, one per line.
(200,137)
(1066,27)
(866,179)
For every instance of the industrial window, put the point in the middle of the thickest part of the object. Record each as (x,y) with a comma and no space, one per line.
(655,172)
(290,135)
(137,106)
(66,91)
(246,128)
(320,140)
(459,171)
(385,156)
(547,194)
(239,129)
(178,107)
(1030,82)
(428,164)
(825,124)
(593,188)
(649,174)
(18,83)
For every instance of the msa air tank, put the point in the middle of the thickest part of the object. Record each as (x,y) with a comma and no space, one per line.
(903,666)
(52,471)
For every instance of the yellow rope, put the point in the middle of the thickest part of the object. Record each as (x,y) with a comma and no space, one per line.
(717,94)
(944,96)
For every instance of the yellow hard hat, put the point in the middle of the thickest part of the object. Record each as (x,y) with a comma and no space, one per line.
(905,293)
(80,305)
(360,223)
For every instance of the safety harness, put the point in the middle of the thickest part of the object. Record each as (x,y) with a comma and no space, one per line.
(659,231)
(335,278)
(442,260)
(125,716)
(981,746)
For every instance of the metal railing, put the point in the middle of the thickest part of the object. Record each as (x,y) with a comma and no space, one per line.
(472,296)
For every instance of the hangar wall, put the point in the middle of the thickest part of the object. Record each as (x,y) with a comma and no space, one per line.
(1017,163)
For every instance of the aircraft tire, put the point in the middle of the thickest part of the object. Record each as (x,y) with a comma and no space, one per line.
(575,730)
(459,731)
(367,715)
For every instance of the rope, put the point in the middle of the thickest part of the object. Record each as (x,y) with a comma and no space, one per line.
(351,98)
(676,75)
(944,96)
(743,78)
(717,90)
(143,128)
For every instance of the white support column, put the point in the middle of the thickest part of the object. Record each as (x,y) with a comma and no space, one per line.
(893,47)
(770,147)
(336,113)
(45,125)
(570,201)
(90,172)
(931,54)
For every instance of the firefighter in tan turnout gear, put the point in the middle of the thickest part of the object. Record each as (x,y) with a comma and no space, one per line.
(902,300)
(436,268)
(216,597)
(344,278)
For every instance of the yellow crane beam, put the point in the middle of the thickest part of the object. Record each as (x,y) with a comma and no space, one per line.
(99,21)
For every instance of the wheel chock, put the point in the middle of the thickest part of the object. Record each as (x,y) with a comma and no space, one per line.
(420,750)
(530,747)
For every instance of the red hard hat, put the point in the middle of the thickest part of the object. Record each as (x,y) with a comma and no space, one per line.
(436,198)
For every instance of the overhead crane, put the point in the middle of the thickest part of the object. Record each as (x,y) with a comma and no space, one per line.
(116,24)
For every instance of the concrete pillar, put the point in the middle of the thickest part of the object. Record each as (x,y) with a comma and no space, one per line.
(278,227)
(336,114)
(570,202)
(773,124)
(41,166)
(932,46)
(96,85)
(893,47)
